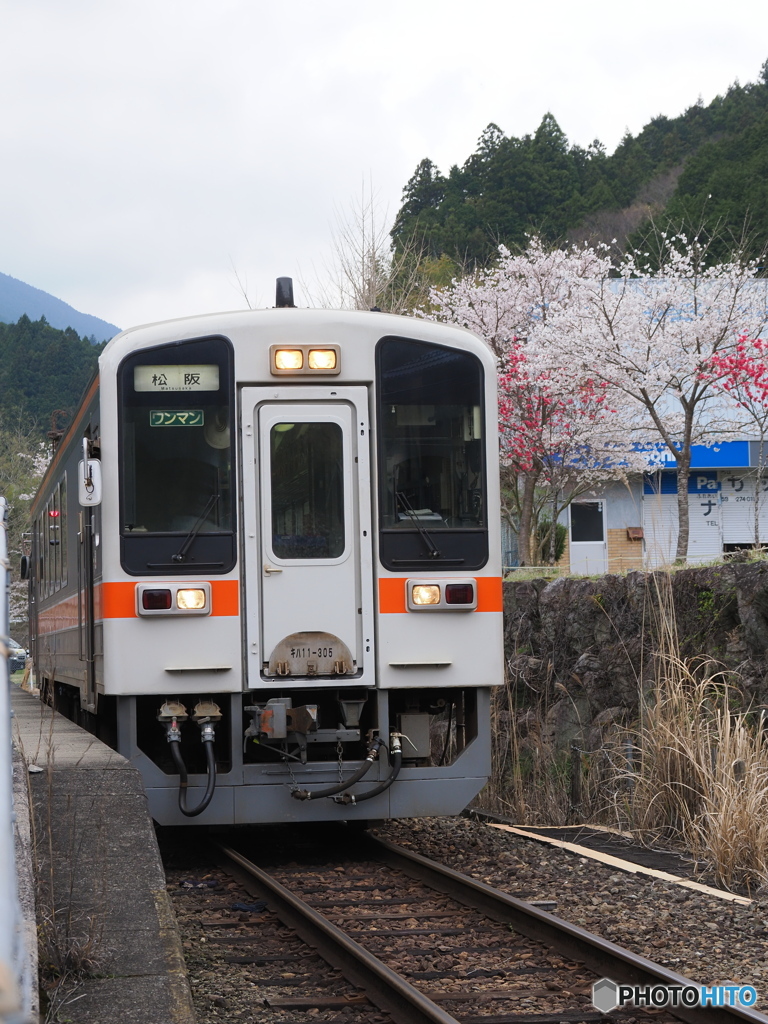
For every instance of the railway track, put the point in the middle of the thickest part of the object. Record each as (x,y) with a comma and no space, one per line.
(412,941)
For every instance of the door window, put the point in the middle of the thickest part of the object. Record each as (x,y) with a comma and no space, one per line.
(587,521)
(307,486)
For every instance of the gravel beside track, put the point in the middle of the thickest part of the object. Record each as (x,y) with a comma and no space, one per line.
(708,939)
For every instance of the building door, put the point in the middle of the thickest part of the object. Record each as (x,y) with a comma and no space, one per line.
(588,549)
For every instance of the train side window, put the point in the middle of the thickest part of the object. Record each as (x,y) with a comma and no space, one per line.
(56,539)
(48,550)
(63,530)
(40,558)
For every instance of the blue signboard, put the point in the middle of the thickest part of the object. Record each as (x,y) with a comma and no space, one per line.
(699,482)
(726,455)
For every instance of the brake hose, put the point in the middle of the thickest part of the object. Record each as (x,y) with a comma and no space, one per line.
(210,785)
(397,761)
(373,752)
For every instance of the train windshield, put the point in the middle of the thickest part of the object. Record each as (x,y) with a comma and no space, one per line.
(177,458)
(432,503)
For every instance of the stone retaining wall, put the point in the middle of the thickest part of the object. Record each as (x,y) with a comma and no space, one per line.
(580,650)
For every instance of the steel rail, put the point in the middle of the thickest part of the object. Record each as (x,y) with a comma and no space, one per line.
(383,986)
(598,954)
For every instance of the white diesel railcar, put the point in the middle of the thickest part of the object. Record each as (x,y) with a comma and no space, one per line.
(265,564)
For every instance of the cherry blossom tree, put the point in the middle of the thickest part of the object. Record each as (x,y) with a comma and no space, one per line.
(561,433)
(558,440)
(516,296)
(742,374)
(639,336)
(650,333)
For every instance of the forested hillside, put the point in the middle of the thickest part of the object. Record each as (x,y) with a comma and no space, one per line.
(706,168)
(42,369)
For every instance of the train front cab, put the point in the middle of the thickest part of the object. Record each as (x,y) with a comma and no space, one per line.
(343,600)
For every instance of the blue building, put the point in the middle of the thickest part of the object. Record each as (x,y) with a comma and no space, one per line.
(634,525)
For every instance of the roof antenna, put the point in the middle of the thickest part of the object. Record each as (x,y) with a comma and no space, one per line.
(284,293)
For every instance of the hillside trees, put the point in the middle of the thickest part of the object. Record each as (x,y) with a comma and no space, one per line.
(705,167)
(23,460)
(43,369)
(507,187)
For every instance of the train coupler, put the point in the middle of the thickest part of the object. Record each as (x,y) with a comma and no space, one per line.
(171,715)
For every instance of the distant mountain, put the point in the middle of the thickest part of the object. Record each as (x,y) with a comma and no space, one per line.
(18,299)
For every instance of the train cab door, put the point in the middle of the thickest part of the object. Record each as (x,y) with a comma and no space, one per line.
(85,605)
(309,590)
(89,517)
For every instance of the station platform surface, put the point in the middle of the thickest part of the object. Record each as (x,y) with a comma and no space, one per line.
(99,884)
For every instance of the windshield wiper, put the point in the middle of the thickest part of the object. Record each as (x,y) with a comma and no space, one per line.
(181,554)
(432,548)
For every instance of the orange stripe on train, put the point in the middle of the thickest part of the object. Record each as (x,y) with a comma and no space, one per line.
(118,601)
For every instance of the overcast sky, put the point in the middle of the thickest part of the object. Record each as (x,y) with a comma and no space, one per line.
(151,152)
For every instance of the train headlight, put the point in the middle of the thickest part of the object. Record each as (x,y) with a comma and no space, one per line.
(190,600)
(306,360)
(450,595)
(289,359)
(425,593)
(322,359)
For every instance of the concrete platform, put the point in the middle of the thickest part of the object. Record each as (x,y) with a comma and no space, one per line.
(99,881)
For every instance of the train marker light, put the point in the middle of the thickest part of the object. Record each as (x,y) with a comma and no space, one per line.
(289,359)
(459,593)
(156,600)
(189,600)
(322,359)
(422,594)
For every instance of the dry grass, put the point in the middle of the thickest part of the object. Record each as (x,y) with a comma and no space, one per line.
(702,779)
(529,781)
(692,770)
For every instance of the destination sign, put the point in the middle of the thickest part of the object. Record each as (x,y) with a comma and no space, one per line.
(176,378)
(176,418)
